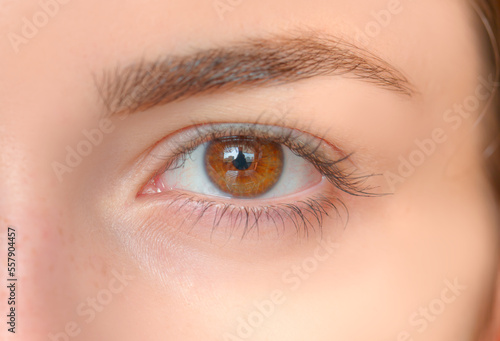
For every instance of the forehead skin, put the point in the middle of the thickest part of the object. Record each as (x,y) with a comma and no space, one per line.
(48,95)
(121,32)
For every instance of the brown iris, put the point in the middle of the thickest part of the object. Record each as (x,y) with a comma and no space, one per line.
(243,166)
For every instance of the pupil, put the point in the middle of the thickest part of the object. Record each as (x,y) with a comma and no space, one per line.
(240,163)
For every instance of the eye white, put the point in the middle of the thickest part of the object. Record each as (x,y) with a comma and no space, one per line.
(298,174)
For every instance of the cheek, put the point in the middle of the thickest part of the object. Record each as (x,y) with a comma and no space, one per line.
(434,234)
(185,283)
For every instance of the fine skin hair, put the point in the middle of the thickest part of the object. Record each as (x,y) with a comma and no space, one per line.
(384,222)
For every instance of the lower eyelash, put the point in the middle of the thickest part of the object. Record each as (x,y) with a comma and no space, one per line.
(305,215)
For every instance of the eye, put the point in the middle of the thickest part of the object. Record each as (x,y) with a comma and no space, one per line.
(240,167)
(251,175)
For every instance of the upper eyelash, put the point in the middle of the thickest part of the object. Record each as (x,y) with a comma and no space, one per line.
(349,183)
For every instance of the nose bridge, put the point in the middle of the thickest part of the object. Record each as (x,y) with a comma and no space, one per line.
(31,231)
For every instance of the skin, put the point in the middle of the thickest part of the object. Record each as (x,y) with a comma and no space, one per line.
(430,247)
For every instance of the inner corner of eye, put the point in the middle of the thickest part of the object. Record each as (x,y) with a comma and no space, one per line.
(151,187)
(240,167)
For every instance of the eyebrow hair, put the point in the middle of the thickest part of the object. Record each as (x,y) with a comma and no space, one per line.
(256,62)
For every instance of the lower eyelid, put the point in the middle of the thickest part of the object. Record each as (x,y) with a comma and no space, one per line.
(298,215)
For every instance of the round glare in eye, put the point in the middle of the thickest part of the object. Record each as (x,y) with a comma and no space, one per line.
(243,166)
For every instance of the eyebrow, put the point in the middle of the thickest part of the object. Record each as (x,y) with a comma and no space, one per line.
(256,62)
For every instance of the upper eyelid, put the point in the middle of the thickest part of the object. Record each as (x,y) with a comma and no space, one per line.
(261,131)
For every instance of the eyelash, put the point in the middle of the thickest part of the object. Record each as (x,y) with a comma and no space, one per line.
(278,214)
(301,144)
